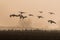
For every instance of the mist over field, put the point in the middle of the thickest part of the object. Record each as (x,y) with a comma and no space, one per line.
(8,7)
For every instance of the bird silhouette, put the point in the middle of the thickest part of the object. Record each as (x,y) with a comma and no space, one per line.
(41,11)
(24,17)
(21,12)
(40,16)
(51,12)
(30,15)
(13,15)
(21,16)
(51,21)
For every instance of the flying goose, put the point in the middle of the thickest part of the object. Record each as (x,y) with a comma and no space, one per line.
(51,21)
(40,16)
(30,15)
(21,12)
(13,15)
(51,12)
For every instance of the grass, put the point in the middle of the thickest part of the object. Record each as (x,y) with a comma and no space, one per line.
(29,35)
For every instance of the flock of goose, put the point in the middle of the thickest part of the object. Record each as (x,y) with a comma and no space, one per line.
(23,17)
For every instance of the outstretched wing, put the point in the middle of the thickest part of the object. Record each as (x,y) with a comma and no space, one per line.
(51,21)
(24,17)
(21,12)
(40,16)
(51,12)
(12,15)
(30,15)
(41,11)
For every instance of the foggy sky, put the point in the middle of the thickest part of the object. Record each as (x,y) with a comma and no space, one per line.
(8,7)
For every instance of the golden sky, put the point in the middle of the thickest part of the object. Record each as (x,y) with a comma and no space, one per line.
(8,7)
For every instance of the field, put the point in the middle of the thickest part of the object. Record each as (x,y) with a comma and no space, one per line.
(29,35)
